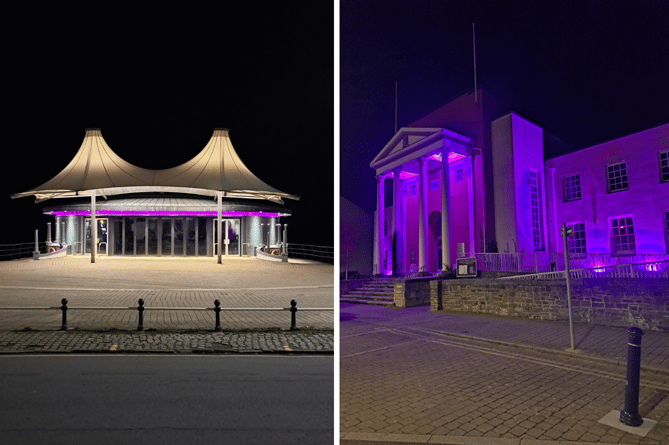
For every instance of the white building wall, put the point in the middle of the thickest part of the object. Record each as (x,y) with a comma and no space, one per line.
(646,198)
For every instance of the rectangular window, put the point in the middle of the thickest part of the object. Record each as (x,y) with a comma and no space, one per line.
(413,257)
(535,204)
(616,177)
(622,236)
(572,187)
(576,242)
(385,228)
(459,176)
(412,190)
(666,230)
(663,161)
(385,259)
(434,184)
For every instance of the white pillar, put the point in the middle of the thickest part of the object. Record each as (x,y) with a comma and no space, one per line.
(227,241)
(398,228)
(220,215)
(445,210)
(422,214)
(471,195)
(380,218)
(94,228)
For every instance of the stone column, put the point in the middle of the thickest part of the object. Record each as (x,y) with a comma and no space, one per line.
(398,228)
(445,210)
(380,218)
(422,214)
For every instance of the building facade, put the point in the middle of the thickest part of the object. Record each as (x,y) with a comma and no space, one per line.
(190,210)
(468,178)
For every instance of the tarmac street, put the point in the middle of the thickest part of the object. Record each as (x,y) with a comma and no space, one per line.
(105,399)
(411,376)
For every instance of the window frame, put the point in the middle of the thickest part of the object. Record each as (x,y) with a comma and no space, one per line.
(565,188)
(664,177)
(618,251)
(623,178)
(572,242)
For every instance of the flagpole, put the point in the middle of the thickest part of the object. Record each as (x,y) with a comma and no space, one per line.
(474,42)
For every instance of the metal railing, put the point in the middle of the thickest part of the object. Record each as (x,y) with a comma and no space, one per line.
(658,269)
(141,308)
(323,254)
(540,262)
(23,250)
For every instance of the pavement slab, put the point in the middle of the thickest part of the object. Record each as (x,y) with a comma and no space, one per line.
(117,284)
(410,375)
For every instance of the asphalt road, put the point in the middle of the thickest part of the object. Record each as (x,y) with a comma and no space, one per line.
(106,399)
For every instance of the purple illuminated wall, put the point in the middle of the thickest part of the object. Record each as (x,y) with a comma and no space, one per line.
(162,213)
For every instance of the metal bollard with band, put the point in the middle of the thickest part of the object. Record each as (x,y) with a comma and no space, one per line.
(630,413)
(140,308)
(293,310)
(63,327)
(217,310)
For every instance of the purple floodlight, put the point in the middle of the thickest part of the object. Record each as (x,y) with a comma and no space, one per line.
(162,213)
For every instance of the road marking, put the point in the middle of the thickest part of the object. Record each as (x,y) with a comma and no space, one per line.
(492,351)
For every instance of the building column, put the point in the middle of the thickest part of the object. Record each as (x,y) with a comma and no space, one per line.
(398,228)
(423,248)
(94,228)
(380,218)
(445,211)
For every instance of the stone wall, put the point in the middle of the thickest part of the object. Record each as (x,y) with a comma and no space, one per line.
(346,286)
(412,292)
(610,302)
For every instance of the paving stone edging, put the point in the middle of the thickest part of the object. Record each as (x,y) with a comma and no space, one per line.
(411,439)
(166,342)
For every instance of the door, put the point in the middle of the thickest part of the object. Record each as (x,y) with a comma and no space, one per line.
(103,227)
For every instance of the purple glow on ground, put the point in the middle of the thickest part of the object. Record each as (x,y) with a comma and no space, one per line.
(162,213)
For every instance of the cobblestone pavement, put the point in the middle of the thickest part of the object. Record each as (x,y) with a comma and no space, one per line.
(411,376)
(197,282)
(49,342)
(168,283)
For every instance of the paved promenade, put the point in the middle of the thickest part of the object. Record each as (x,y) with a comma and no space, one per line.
(166,283)
(411,376)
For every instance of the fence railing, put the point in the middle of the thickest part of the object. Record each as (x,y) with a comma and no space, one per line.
(22,250)
(551,262)
(323,254)
(659,269)
(141,308)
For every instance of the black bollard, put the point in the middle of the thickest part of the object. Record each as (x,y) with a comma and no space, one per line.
(63,308)
(217,310)
(140,308)
(293,310)
(630,413)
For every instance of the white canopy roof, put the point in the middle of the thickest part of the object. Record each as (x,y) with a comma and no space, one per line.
(216,168)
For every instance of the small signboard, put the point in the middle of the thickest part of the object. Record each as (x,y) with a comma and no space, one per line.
(466,268)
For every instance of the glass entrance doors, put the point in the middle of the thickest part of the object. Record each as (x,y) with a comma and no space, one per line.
(232,238)
(102,235)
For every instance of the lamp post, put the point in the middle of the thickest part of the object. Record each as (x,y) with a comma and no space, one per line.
(568,231)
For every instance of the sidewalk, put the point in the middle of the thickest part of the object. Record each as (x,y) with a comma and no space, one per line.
(412,376)
(165,283)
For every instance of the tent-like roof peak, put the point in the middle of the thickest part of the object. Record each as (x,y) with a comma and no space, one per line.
(216,168)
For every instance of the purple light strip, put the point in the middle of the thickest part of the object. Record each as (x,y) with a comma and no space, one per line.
(162,213)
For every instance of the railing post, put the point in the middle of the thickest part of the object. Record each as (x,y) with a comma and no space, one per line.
(217,310)
(630,413)
(63,327)
(293,310)
(140,308)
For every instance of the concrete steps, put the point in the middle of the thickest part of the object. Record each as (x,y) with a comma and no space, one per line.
(378,292)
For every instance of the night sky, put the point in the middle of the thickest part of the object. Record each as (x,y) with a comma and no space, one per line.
(587,72)
(157,81)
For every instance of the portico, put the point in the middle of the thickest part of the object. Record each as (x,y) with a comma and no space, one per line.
(419,233)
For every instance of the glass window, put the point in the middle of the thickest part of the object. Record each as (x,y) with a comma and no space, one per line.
(622,236)
(459,176)
(572,187)
(663,160)
(666,229)
(434,184)
(616,177)
(537,231)
(576,242)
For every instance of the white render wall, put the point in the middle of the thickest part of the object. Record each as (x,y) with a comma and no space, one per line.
(517,149)
(646,198)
